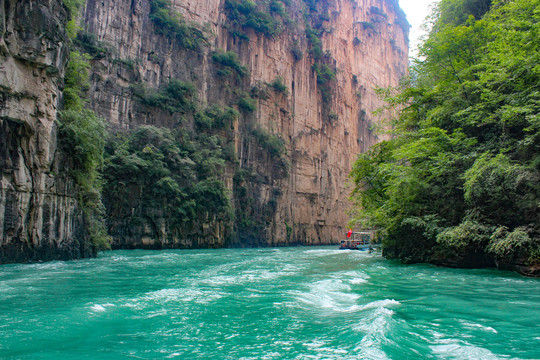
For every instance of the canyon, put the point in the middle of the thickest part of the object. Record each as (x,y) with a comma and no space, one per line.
(313,96)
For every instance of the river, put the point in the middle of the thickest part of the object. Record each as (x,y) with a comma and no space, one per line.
(284,303)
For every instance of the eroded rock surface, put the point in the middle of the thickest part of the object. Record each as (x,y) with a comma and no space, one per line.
(39,215)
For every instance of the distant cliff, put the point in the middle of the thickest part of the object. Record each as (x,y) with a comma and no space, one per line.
(233,123)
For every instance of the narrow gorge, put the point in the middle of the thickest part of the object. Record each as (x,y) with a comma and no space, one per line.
(230,122)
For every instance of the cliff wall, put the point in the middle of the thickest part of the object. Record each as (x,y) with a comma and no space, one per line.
(301,199)
(236,123)
(40,218)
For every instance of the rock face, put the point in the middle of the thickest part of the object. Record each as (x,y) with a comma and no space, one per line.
(39,215)
(296,197)
(304,202)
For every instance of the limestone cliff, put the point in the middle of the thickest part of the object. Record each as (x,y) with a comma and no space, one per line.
(364,41)
(39,214)
(298,99)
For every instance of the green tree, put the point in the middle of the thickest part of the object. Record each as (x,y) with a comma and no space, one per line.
(464,156)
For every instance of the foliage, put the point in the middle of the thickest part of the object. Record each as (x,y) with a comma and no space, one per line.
(467,234)
(246,103)
(325,73)
(325,76)
(279,86)
(274,144)
(247,14)
(297,52)
(157,173)
(76,81)
(88,43)
(315,43)
(452,12)
(170,23)
(229,59)
(175,96)
(215,117)
(368,25)
(508,246)
(464,155)
(73,8)
(503,192)
(81,135)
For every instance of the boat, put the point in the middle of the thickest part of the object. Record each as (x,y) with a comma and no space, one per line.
(360,240)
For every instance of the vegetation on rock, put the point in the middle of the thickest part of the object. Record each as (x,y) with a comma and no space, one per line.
(81,134)
(257,16)
(162,176)
(460,179)
(172,24)
(176,96)
(229,60)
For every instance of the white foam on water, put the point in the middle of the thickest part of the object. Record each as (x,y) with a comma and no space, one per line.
(245,277)
(354,277)
(374,327)
(456,349)
(358,281)
(180,295)
(100,307)
(323,351)
(271,355)
(320,252)
(119,258)
(478,326)
(331,294)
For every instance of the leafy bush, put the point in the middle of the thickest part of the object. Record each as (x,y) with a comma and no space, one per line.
(278,8)
(468,234)
(274,144)
(315,43)
(279,86)
(221,117)
(377,11)
(244,13)
(325,75)
(503,192)
(229,59)
(76,81)
(81,135)
(170,23)
(246,103)
(297,52)
(88,43)
(175,96)
(367,25)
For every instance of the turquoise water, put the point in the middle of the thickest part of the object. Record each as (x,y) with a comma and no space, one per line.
(287,303)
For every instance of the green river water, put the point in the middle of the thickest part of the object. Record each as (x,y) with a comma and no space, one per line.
(286,303)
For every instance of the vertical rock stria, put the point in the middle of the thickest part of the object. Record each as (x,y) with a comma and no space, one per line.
(39,215)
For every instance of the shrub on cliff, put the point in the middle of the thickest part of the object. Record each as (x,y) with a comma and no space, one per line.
(81,136)
(246,14)
(279,86)
(175,96)
(229,59)
(172,24)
